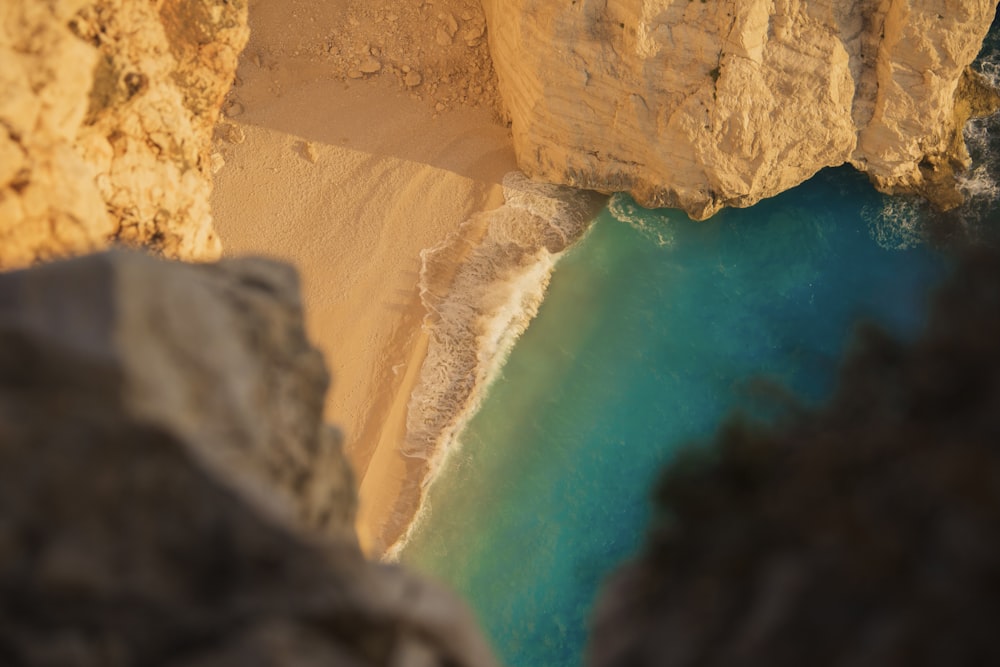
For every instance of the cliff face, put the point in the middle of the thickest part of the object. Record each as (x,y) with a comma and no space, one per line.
(106,116)
(718,103)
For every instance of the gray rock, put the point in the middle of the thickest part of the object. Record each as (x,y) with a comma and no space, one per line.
(168,492)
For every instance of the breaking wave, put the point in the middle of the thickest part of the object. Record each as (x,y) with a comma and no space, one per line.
(981,182)
(481,288)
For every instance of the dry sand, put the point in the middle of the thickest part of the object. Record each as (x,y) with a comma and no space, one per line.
(349,176)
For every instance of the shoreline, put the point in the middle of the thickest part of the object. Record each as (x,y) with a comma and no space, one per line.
(481,288)
(383,196)
(350,182)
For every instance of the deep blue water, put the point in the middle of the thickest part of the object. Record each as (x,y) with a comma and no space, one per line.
(655,328)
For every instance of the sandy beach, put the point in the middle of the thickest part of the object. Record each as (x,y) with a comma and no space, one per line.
(349,176)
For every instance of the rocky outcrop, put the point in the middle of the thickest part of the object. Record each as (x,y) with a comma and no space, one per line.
(106,120)
(863,533)
(701,105)
(170,495)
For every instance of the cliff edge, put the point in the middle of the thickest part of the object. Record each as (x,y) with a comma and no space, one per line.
(106,116)
(712,103)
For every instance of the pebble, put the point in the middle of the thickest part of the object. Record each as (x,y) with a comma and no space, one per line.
(451,25)
(234,109)
(413,79)
(370,66)
(473,33)
(309,152)
(442,37)
(218,162)
(234,134)
(439,107)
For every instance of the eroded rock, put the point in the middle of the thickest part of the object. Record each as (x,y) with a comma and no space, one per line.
(106,123)
(701,105)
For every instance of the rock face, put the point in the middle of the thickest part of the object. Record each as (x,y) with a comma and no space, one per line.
(106,116)
(169,492)
(864,533)
(701,105)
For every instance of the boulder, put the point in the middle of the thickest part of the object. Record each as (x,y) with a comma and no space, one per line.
(170,493)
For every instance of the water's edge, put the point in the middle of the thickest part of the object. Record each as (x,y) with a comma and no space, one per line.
(481,288)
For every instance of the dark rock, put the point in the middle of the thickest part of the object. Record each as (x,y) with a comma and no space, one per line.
(168,492)
(863,533)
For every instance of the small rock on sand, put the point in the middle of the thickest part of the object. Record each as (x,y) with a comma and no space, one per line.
(450,24)
(309,151)
(370,66)
(233,133)
(442,37)
(412,79)
(233,109)
(218,162)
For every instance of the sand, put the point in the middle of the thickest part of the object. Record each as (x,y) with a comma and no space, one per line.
(350,178)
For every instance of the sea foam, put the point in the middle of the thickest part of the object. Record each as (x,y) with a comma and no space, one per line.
(657,230)
(481,288)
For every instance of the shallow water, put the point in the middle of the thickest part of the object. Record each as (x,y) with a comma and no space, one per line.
(654,329)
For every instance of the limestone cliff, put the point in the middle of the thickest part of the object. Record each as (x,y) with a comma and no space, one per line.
(106,116)
(712,103)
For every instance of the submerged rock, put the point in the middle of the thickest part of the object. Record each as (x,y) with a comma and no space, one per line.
(701,105)
(170,494)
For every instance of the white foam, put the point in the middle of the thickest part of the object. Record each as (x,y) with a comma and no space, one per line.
(979,183)
(623,209)
(896,223)
(989,67)
(480,299)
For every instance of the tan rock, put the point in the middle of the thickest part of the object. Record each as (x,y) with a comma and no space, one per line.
(450,24)
(370,66)
(103,100)
(442,37)
(412,79)
(232,133)
(701,105)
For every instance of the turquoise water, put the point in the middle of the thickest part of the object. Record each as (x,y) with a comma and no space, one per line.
(654,329)
(646,339)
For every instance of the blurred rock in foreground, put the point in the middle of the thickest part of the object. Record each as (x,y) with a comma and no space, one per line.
(866,533)
(169,492)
